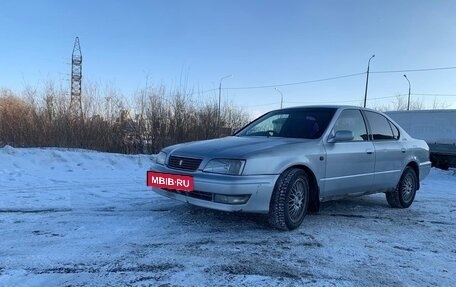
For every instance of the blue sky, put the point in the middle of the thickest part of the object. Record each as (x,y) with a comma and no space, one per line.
(195,43)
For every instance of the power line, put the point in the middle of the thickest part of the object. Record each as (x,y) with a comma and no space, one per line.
(261,105)
(285,84)
(329,79)
(413,70)
(210,90)
(435,95)
(372,99)
(294,83)
(346,101)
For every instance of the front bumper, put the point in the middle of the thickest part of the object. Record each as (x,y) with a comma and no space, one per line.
(258,187)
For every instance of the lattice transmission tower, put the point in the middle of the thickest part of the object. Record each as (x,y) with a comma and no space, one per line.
(76,77)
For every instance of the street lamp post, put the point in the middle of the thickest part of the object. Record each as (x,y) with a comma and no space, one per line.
(281,97)
(367,80)
(220,99)
(408,102)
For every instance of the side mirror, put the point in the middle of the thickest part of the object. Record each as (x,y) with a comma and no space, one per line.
(341,136)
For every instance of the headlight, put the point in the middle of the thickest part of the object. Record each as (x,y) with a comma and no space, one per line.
(225,166)
(160,158)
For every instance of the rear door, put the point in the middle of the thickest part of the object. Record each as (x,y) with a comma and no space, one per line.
(349,164)
(389,151)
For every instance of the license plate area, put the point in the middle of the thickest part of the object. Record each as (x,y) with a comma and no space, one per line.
(170,181)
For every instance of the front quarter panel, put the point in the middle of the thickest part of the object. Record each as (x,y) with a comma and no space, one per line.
(274,162)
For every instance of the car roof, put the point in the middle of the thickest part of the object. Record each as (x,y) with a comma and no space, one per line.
(327,106)
(318,107)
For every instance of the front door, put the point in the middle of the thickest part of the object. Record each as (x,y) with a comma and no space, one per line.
(349,164)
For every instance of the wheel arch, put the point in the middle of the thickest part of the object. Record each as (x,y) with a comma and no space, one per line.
(416,168)
(314,196)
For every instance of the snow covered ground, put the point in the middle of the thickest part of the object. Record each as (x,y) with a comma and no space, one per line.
(82,218)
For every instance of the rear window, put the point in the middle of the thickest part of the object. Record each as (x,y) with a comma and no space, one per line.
(396,133)
(380,126)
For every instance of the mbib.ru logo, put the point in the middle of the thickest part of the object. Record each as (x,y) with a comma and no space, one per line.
(170,181)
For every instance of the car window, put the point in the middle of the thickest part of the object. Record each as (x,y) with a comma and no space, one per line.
(307,123)
(352,120)
(380,127)
(396,134)
(269,127)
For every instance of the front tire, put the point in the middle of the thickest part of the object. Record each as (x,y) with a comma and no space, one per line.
(290,200)
(404,194)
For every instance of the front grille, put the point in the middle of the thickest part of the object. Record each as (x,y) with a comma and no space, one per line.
(184,163)
(195,194)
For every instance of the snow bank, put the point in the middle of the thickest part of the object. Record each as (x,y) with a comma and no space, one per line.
(44,177)
(83,218)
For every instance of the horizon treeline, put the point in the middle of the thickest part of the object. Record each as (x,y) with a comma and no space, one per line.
(144,123)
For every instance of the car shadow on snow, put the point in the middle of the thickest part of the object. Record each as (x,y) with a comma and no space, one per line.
(216,219)
(372,206)
(367,203)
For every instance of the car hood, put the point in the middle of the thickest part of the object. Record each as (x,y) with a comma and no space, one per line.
(232,147)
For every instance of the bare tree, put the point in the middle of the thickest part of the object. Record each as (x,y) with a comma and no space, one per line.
(110,123)
(436,104)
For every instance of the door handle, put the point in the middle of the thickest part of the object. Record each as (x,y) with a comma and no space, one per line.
(369,151)
(403,150)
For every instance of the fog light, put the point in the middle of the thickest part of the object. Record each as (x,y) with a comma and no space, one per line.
(231,199)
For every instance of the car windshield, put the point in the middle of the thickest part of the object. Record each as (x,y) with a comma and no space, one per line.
(309,123)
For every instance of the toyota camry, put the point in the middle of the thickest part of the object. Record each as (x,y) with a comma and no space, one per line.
(288,161)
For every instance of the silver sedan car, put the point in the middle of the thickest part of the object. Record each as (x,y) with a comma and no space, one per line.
(288,161)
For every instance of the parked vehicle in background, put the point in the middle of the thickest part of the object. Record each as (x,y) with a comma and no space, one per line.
(437,128)
(288,161)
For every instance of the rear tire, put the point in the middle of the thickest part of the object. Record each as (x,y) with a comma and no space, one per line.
(404,194)
(290,200)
